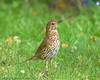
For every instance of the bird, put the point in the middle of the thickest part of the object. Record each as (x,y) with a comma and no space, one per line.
(50,46)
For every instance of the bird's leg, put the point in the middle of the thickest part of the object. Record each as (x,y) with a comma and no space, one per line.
(51,60)
(46,63)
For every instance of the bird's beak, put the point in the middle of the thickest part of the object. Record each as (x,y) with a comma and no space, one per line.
(60,21)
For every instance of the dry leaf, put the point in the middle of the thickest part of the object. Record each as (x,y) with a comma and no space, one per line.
(6,71)
(64,45)
(8,64)
(94,38)
(10,40)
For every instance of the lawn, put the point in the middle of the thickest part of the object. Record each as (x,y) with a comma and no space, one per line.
(22,29)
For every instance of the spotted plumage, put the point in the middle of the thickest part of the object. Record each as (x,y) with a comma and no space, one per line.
(50,45)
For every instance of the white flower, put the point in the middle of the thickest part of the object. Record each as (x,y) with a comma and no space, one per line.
(22,71)
(15,37)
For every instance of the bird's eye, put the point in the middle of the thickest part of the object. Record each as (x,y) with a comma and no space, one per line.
(52,23)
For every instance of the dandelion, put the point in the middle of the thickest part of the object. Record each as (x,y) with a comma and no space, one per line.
(64,45)
(22,71)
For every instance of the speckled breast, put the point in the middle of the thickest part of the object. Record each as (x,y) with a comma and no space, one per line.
(53,46)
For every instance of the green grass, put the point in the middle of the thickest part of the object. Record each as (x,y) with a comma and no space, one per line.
(80,61)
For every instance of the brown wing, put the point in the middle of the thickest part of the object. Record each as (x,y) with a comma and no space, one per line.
(43,49)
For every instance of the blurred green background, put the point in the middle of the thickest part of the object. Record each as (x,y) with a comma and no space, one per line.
(22,28)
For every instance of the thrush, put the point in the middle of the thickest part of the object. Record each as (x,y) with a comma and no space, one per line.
(49,47)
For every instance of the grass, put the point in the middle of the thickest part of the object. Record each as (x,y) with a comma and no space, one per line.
(81,32)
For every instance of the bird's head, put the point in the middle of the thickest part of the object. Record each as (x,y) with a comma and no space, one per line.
(52,25)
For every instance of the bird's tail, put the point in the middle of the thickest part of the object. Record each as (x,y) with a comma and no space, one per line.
(27,60)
